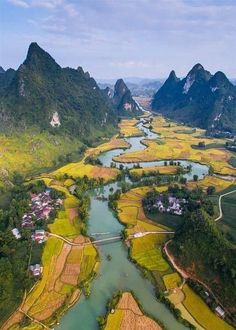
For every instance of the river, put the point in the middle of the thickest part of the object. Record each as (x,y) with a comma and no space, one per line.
(119,273)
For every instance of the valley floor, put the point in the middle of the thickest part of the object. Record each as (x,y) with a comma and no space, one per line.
(68,270)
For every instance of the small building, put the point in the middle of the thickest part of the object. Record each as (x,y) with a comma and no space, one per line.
(136,235)
(39,236)
(220,311)
(16,233)
(35,269)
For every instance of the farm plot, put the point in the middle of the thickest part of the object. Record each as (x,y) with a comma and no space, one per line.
(128,128)
(146,251)
(128,316)
(176,146)
(201,312)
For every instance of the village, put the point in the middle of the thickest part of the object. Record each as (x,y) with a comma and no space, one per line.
(40,207)
(171,205)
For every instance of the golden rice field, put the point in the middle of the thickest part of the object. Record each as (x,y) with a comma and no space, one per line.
(128,128)
(219,183)
(80,169)
(130,210)
(172,281)
(201,312)
(147,252)
(179,146)
(156,169)
(113,143)
(128,316)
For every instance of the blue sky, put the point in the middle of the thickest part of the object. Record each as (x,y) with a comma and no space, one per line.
(123,38)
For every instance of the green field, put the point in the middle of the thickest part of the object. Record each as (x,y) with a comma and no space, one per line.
(166,219)
(228,223)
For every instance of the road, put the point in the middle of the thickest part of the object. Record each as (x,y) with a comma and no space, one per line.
(220,204)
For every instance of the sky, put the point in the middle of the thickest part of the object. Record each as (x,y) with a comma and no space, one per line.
(123,38)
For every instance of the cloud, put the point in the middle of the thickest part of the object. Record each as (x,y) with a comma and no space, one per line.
(19,3)
(134,37)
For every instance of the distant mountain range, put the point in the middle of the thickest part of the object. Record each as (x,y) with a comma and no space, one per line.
(137,86)
(200,99)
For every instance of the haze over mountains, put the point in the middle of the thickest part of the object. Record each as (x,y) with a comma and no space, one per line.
(200,99)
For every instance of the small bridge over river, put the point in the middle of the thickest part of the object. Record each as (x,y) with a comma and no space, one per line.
(114,237)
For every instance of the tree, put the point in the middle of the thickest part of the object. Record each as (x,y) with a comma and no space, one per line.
(183,180)
(211,190)
(201,144)
(195,177)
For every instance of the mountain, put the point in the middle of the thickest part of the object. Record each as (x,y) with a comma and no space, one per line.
(123,101)
(200,99)
(137,86)
(43,94)
(6,78)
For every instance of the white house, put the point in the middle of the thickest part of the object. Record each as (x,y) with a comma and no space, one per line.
(16,233)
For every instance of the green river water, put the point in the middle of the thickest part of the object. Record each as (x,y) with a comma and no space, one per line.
(119,273)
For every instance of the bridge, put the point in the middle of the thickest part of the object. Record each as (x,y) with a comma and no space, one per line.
(110,239)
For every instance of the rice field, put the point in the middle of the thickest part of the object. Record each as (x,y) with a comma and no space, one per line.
(172,281)
(177,146)
(64,266)
(219,183)
(128,128)
(155,169)
(146,251)
(128,316)
(80,169)
(201,312)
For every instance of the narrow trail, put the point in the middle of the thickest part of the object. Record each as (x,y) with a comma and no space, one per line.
(220,204)
(34,320)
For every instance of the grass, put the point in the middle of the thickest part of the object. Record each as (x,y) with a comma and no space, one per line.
(168,220)
(232,161)
(31,151)
(201,312)
(228,223)
(172,280)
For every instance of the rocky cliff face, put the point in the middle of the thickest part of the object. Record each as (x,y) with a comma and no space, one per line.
(200,99)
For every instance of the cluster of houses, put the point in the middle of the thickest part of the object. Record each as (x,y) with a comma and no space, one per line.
(174,205)
(40,207)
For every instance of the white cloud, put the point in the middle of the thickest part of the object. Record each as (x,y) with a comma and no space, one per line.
(19,3)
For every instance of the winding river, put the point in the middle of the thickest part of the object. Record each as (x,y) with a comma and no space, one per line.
(119,273)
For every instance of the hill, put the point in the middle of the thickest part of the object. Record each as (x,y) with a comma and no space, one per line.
(201,249)
(124,102)
(41,93)
(200,99)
